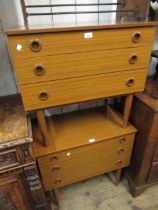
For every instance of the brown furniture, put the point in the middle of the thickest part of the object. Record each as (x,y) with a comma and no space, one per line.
(143,171)
(59,66)
(20,183)
(84,145)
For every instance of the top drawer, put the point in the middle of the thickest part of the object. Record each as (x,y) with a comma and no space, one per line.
(23,46)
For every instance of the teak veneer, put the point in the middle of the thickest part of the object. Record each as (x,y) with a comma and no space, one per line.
(71,156)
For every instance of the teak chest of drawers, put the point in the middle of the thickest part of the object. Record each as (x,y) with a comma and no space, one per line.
(86,144)
(62,66)
(59,66)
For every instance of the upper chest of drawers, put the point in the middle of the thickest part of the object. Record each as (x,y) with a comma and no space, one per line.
(67,59)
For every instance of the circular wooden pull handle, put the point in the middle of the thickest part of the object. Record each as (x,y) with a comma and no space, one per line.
(35,45)
(120,151)
(39,70)
(43,96)
(133,59)
(122,140)
(54,158)
(119,162)
(58,181)
(56,169)
(130,82)
(137,37)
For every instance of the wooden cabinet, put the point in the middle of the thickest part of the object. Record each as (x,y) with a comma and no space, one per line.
(13,194)
(79,147)
(143,171)
(56,67)
(20,184)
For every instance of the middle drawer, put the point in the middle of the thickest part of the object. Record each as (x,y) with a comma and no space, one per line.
(39,69)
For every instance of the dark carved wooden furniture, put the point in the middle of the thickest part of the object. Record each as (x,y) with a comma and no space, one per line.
(143,171)
(20,184)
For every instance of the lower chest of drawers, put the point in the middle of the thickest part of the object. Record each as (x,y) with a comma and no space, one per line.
(66,167)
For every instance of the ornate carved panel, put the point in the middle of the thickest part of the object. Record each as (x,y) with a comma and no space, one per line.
(8,159)
(6,202)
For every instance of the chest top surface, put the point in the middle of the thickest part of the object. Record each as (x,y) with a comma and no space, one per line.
(60,28)
(14,125)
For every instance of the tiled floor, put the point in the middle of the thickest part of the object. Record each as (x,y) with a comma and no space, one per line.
(101,194)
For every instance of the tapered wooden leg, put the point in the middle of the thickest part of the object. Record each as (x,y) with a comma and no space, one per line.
(118,176)
(42,125)
(127,109)
(56,196)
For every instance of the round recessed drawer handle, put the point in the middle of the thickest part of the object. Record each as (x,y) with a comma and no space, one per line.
(130,82)
(57,181)
(122,140)
(35,45)
(54,158)
(136,37)
(119,162)
(43,96)
(56,169)
(39,70)
(133,59)
(120,151)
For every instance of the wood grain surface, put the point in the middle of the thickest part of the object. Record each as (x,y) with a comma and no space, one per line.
(14,124)
(76,172)
(51,28)
(70,42)
(74,129)
(80,64)
(70,156)
(79,89)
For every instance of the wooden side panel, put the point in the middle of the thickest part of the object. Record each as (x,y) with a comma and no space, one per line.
(156,154)
(153,175)
(70,42)
(80,64)
(12,194)
(81,89)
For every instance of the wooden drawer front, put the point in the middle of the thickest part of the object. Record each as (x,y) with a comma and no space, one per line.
(48,68)
(70,42)
(9,159)
(111,145)
(84,162)
(77,173)
(54,93)
(153,175)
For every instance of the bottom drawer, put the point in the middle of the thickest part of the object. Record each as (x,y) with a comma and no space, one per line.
(59,92)
(153,175)
(85,162)
(72,175)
